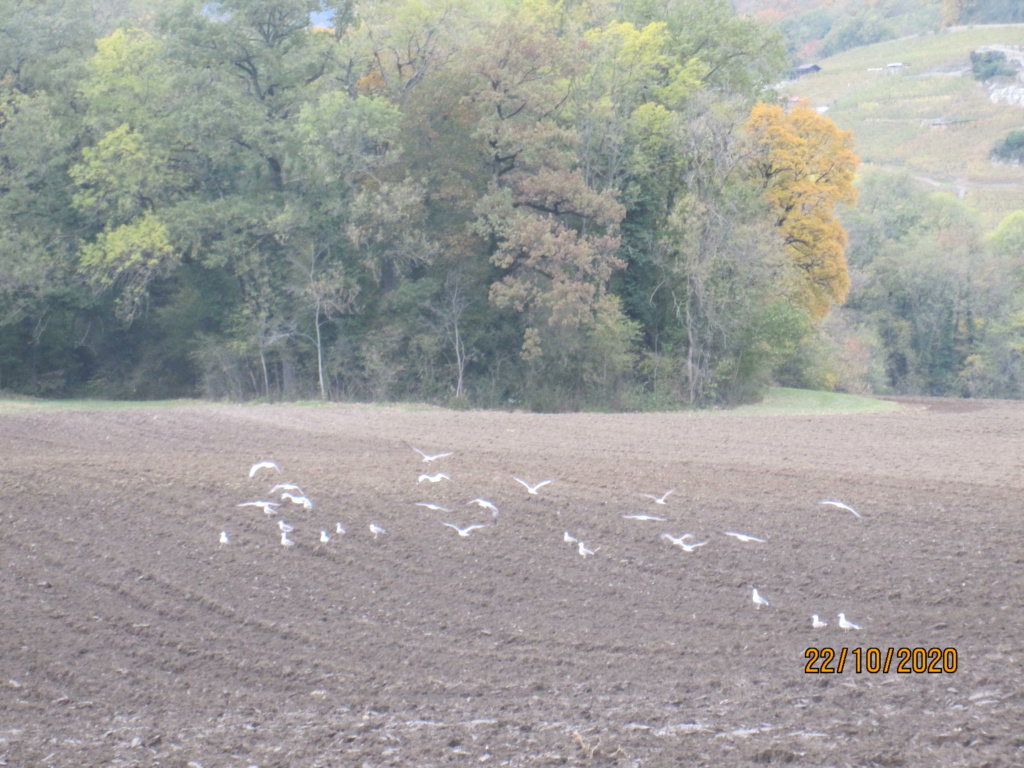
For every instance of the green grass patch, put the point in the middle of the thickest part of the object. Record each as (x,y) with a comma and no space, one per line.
(784,401)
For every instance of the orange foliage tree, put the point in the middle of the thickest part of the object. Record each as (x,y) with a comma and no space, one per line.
(807,166)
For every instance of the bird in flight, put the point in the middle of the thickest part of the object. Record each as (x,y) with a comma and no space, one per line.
(264,505)
(432,478)
(285,528)
(324,538)
(285,541)
(532,489)
(262,465)
(224,538)
(376,530)
(464,532)
(583,550)
(306,503)
(431,506)
(645,517)
(287,487)
(485,504)
(681,541)
(840,505)
(844,624)
(743,537)
(818,623)
(427,457)
(758,600)
(659,499)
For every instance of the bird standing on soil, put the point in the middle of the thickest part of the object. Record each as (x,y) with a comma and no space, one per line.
(743,537)
(818,623)
(432,478)
(224,538)
(584,551)
(376,530)
(659,499)
(339,528)
(844,624)
(285,528)
(464,532)
(262,465)
(532,489)
(758,599)
(681,541)
(324,538)
(569,538)
(428,457)
(840,505)
(285,541)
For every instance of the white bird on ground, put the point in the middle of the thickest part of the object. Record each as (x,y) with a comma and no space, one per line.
(427,457)
(287,487)
(840,505)
(431,506)
(464,532)
(339,528)
(376,530)
(532,489)
(659,499)
(583,550)
(224,538)
(758,600)
(681,541)
(285,541)
(285,528)
(264,505)
(569,539)
(262,465)
(324,538)
(818,623)
(302,500)
(844,624)
(432,478)
(645,517)
(485,504)
(743,537)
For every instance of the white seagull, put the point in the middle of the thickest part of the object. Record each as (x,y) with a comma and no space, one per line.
(264,505)
(645,517)
(285,541)
(431,506)
(532,489)
(262,465)
(569,539)
(428,457)
(287,487)
(339,528)
(743,537)
(840,505)
(758,600)
(324,538)
(659,499)
(464,532)
(306,503)
(224,538)
(285,528)
(844,624)
(584,551)
(432,478)
(376,530)
(485,504)
(818,623)
(681,541)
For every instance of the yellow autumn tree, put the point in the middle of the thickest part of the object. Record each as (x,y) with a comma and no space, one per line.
(807,166)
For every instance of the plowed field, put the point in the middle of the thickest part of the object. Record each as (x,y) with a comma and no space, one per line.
(129,636)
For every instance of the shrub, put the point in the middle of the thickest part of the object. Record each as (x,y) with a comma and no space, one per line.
(1010,149)
(989,64)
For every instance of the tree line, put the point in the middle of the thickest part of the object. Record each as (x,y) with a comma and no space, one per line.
(551,205)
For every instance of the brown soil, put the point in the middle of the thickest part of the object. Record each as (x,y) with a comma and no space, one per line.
(129,636)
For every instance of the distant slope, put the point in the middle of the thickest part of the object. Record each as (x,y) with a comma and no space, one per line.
(930,117)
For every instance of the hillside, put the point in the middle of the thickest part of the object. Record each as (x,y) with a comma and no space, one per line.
(930,117)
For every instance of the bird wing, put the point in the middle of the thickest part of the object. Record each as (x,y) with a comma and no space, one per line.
(541,484)
(843,506)
(522,482)
(667,494)
(453,527)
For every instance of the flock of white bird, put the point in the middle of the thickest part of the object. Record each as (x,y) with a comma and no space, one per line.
(294,495)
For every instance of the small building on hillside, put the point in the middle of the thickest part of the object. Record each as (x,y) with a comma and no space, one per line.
(807,69)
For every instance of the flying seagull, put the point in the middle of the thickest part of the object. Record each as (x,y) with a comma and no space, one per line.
(264,505)
(306,503)
(428,457)
(818,623)
(658,499)
(743,537)
(287,487)
(262,465)
(224,538)
(485,504)
(431,506)
(645,517)
(285,541)
(464,532)
(681,541)
(758,600)
(584,551)
(842,506)
(532,489)
(376,530)
(844,624)
(324,538)
(432,478)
